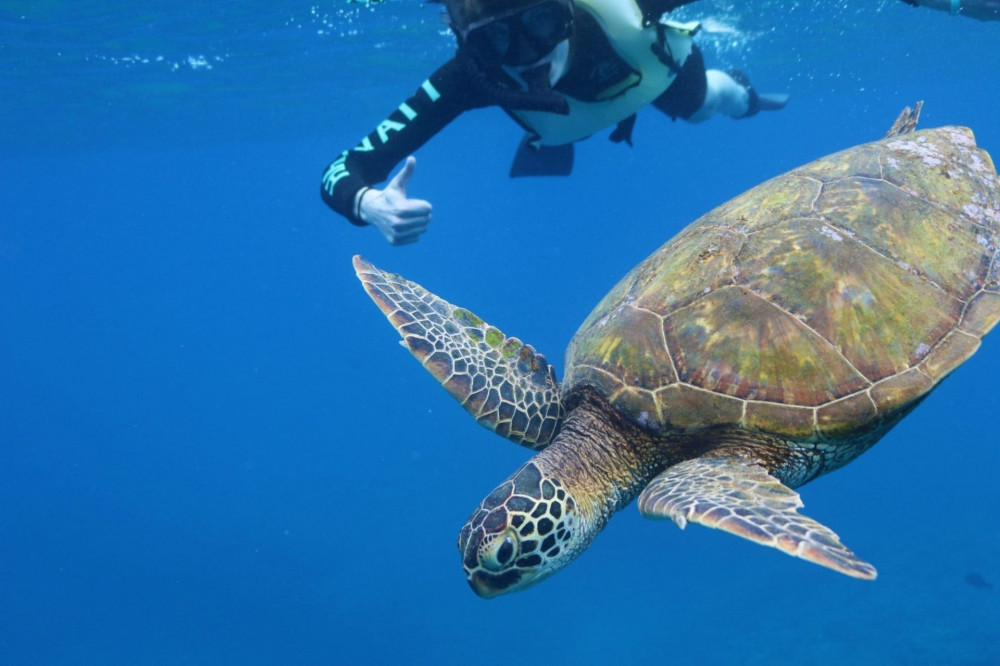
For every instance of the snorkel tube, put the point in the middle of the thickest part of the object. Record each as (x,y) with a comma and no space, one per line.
(538,97)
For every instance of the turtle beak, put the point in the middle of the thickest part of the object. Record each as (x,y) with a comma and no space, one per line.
(488,585)
(484,583)
(479,585)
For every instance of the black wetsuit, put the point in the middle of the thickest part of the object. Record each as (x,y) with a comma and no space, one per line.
(449,91)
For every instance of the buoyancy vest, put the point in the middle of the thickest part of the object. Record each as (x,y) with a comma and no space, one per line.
(633,42)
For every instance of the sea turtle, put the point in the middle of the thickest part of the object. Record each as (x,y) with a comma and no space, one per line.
(773,340)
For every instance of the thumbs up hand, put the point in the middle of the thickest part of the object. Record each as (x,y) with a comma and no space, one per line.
(400,219)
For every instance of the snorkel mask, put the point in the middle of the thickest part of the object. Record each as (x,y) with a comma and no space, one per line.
(519,36)
(513,33)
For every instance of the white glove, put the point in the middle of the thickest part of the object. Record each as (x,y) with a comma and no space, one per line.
(401,220)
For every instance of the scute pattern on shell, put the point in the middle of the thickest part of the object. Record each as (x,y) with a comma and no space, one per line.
(817,305)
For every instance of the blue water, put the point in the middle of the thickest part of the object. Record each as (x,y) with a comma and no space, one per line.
(213,450)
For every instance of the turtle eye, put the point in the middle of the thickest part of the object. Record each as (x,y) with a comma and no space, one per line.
(498,553)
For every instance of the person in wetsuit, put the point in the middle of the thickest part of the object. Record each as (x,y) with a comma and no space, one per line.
(983,10)
(562,69)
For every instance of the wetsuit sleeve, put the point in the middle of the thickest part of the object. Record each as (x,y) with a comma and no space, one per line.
(438,101)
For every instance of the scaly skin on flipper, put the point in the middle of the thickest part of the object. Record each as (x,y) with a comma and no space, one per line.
(907,120)
(506,385)
(743,499)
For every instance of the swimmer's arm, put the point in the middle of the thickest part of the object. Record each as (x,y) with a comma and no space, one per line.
(438,101)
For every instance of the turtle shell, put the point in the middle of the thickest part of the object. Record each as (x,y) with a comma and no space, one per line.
(813,305)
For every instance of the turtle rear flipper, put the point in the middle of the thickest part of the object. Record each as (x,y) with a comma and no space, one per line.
(743,499)
(505,384)
(907,120)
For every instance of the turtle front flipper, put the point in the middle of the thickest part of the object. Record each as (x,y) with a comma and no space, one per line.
(743,499)
(505,384)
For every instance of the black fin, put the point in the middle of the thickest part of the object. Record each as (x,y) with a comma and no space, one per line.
(623,131)
(533,160)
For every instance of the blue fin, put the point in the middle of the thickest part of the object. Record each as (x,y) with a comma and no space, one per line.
(541,160)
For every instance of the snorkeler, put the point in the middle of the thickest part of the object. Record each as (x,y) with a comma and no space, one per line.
(563,69)
(983,10)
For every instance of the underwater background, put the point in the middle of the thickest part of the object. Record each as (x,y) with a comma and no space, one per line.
(213,450)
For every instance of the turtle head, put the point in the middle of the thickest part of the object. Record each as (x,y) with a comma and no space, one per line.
(525,530)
